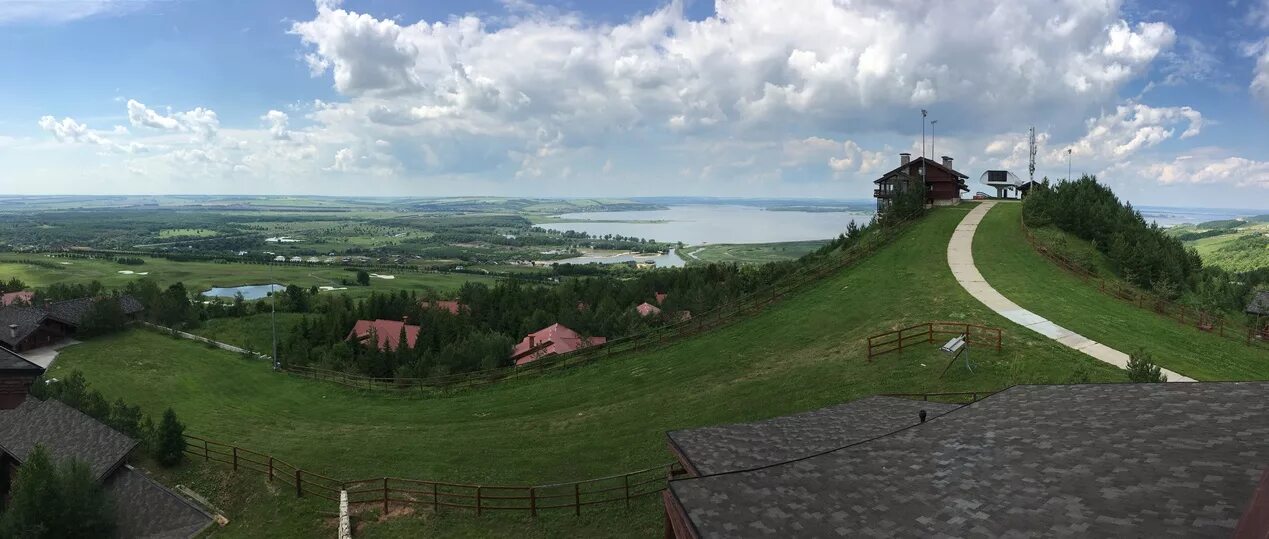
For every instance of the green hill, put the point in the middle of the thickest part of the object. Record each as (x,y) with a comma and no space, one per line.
(806,351)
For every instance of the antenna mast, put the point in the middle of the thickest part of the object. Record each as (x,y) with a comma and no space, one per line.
(1032,149)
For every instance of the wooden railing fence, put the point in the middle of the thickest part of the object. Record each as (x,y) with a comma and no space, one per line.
(895,340)
(387,492)
(1206,321)
(974,396)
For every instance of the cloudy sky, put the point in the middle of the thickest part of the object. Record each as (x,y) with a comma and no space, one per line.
(1168,101)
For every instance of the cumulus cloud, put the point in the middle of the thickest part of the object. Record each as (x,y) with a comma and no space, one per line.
(1206,168)
(69,130)
(277,122)
(200,121)
(1133,127)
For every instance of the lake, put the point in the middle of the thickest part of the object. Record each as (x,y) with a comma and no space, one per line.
(248,291)
(1168,216)
(698,224)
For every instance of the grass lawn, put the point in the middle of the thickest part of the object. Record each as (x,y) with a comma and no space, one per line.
(805,352)
(203,275)
(751,253)
(1032,281)
(253,332)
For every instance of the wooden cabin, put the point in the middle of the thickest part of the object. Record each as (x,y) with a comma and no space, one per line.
(943,184)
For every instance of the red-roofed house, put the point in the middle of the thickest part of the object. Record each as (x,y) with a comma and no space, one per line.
(661,297)
(452,306)
(387,332)
(647,309)
(549,341)
(23,297)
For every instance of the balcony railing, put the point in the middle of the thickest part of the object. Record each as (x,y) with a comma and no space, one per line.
(880,193)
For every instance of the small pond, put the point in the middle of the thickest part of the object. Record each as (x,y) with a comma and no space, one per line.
(248,291)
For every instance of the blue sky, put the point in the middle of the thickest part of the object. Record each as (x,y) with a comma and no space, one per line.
(1167,101)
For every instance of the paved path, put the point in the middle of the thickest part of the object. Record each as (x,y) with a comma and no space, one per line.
(960,257)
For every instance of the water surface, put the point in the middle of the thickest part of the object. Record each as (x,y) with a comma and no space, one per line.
(698,224)
(248,291)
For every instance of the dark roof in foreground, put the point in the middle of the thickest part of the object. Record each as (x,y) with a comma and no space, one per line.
(73,311)
(1102,460)
(1259,304)
(65,432)
(742,446)
(145,509)
(11,362)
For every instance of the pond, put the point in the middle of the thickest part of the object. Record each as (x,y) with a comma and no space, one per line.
(698,224)
(248,291)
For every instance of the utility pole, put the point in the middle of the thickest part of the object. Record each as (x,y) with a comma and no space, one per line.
(273,316)
(924,113)
(1068,164)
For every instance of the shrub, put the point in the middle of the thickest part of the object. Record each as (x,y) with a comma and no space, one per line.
(1142,370)
(169,446)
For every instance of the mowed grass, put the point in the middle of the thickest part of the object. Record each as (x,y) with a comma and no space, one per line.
(751,253)
(1033,282)
(254,332)
(199,276)
(805,352)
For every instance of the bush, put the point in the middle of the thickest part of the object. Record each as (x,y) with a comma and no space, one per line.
(56,501)
(1142,370)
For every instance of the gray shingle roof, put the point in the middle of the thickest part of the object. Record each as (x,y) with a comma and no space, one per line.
(144,509)
(1103,460)
(72,311)
(65,432)
(1259,304)
(28,319)
(11,362)
(726,448)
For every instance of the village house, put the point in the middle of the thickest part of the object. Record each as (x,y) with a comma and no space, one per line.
(943,185)
(22,298)
(386,332)
(549,341)
(25,328)
(646,309)
(143,507)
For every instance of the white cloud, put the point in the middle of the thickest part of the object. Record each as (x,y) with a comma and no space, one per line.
(1131,128)
(200,121)
(277,122)
(53,12)
(68,130)
(1204,167)
(1260,74)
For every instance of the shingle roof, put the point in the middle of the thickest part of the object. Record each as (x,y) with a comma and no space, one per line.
(742,446)
(27,320)
(928,162)
(65,432)
(145,509)
(11,362)
(1259,304)
(1130,460)
(72,311)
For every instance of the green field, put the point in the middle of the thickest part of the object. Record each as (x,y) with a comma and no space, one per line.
(199,276)
(749,253)
(1033,282)
(1236,245)
(186,233)
(253,332)
(805,352)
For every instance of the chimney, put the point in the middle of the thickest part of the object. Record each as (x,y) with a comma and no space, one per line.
(13,331)
(905,158)
(405,319)
(531,339)
(921,414)
(947,161)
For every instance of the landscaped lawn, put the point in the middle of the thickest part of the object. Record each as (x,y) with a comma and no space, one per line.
(805,352)
(1033,282)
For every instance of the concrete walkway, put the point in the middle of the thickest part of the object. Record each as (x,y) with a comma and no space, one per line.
(960,257)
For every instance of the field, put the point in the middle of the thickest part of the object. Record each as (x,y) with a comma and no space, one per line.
(1024,276)
(199,276)
(1232,245)
(804,352)
(754,253)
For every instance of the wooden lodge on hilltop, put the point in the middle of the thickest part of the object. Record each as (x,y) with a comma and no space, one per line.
(943,185)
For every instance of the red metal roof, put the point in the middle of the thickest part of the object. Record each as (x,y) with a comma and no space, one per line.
(661,297)
(452,306)
(551,340)
(647,309)
(387,331)
(11,297)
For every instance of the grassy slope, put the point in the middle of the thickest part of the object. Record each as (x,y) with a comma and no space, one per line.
(1024,276)
(750,253)
(203,275)
(253,332)
(805,352)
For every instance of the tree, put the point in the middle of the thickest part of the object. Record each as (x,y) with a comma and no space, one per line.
(363,278)
(1142,370)
(169,446)
(104,316)
(56,501)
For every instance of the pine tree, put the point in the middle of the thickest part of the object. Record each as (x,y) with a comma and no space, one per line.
(48,501)
(170,442)
(1142,370)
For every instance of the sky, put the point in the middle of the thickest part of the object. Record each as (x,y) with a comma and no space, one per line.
(1166,101)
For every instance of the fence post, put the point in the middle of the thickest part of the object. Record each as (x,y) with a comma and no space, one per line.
(235,458)
(478,508)
(270,469)
(385,497)
(299,483)
(929,332)
(533,501)
(626,479)
(436,500)
(577,499)
(206,455)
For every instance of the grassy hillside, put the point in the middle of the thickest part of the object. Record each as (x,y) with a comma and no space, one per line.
(749,253)
(804,352)
(1032,281)
(1232,244)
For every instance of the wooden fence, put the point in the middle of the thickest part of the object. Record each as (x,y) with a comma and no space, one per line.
(1205,321)
(895,340)
(714,318)
(387,492)
(974,396)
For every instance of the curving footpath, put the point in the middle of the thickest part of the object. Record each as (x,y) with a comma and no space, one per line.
(960,257)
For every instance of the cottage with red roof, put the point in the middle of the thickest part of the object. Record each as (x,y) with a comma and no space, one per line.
(387,333)
(452,306)
(549,341)
(23,297)
(647,309)
(661,297)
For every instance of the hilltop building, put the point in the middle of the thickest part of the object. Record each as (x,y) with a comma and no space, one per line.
(943,184)
(1259,307)
(549,341)
(1092,460)
(24,328)
(452,306)
(387,333)
(143,507)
